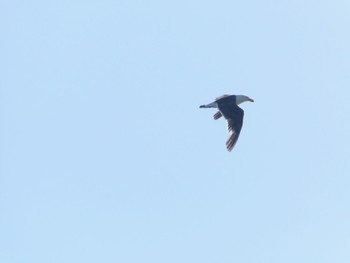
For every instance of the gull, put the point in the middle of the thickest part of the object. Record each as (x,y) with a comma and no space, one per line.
(228,107)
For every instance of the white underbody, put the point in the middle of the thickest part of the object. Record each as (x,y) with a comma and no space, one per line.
(239,99)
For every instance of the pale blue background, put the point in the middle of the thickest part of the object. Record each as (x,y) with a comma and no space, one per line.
(106,157)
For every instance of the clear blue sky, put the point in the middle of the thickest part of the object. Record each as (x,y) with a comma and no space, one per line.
(106,157)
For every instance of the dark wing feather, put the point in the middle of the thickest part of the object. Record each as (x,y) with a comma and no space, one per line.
(226,98)
(217,115)
(223,96)
(234,116)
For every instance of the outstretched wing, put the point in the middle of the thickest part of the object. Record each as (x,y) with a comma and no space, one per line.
(234,116)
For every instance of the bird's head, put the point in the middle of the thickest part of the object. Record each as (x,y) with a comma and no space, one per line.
(242,98)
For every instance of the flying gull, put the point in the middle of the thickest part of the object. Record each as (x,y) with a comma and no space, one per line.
(228,107)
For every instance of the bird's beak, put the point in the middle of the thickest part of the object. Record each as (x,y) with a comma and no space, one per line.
(251,100)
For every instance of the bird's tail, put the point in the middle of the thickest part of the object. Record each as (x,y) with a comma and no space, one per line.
(210,105)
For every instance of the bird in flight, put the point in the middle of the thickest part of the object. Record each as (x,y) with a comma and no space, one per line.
(228,107)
